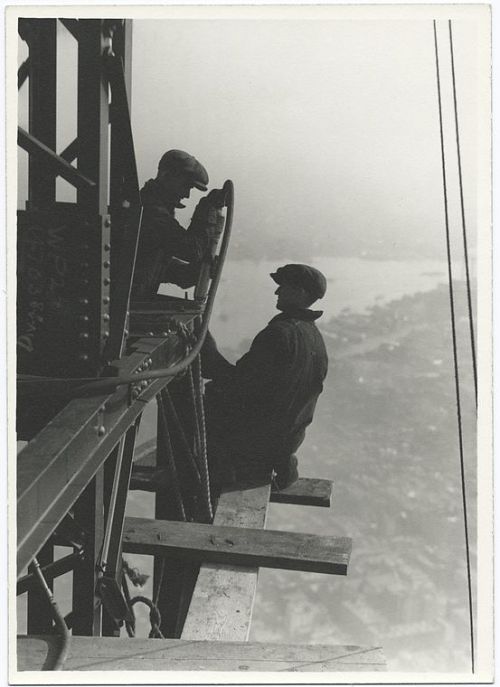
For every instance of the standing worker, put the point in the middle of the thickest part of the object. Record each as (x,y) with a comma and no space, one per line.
(167,252)
(259,408)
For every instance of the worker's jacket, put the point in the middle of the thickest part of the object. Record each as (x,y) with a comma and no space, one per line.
(261,406)
(167,252)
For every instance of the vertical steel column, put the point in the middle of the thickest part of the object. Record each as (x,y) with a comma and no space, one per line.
(92,122)
(89,513)
(93,116)
(165,509)
(114,555)
(41,37)
(42,108)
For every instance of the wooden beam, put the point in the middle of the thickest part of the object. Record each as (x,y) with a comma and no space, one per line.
(305,492)
(107,653)
(221,605)
(237,545)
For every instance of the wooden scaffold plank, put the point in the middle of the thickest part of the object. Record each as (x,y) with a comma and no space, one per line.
(221,605)
(238,546)
(107,653)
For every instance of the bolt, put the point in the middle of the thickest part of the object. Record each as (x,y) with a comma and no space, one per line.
(135,393)
(101,430)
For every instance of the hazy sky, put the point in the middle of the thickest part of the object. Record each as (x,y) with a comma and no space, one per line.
(329,129)
(326,127)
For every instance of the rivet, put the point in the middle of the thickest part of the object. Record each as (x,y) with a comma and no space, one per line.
(83,357)
(84,301)
(106,335)
(85,282)
(150,361)
(165,333)
(106,263)
(105,317)
(84,318)
(107,222)
(84,335)
(151,333)
(125,331)
(144,384)
(101,430)
(107,246)
(106,281)
(135,393)
(105,300)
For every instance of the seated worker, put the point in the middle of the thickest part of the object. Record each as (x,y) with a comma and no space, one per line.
(167,252)
(257,410)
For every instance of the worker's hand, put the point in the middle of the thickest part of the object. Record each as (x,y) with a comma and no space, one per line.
(216,198)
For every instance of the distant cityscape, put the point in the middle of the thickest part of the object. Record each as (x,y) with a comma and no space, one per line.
(386,432)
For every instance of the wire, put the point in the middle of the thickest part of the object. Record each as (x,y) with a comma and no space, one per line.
(57,662)
(462,208)
(455,354)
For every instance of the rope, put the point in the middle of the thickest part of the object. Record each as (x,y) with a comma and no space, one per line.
(58,661)
(170,460)
(462,208)
(200,421)
(455,353)
(191,462)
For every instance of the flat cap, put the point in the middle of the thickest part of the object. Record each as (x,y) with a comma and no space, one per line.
(309,278)
(180,161)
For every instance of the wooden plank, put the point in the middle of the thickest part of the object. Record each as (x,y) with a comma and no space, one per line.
(108,653)
(305,492)
(238,546)
(221,605)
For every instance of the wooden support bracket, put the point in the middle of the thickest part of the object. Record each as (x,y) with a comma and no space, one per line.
(237,546)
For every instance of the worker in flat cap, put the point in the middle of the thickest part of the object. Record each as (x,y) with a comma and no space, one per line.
(259,408)
(167,252)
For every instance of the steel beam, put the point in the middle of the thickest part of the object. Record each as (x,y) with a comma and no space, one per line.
(93,116)
(42,109)
(89,513)
(51,161)
(58,464)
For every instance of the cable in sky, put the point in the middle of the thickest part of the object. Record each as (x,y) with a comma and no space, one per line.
(454,343)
